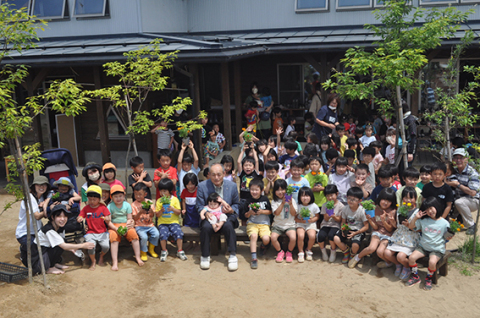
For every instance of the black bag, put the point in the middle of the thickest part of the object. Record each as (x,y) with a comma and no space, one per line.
(265,116)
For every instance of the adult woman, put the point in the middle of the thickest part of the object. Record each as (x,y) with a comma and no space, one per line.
(253,95)
(327,117)
(39,196)
(92,175)
(316,104)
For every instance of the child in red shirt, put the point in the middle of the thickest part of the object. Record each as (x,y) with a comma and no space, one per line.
(252,113)
(165,170)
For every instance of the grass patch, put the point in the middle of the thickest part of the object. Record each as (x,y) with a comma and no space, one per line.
(462,259)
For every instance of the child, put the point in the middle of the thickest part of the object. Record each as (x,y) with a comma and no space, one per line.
(410,177)
(378,159)
(164,136)
(252,113)
(211,149)
(247,171)
(403,241)
(390,150)
(396,178)
(168,219)
(383,224)
(353,214)
(291,126)
(296,180)
(294,135)
(367,138)
(341,178)
(271,176)
(313,139)
(258,224)
(309,122)
(359,179)
(325,144)
(105,193)
(109,175)
(330,224)
(97,217)
(368,155)
(385,178)
(425,176)
(290,148)
(432,242)
(350,155)
(221,141)
(187,163)
(340,129)
(146,230)
(353,125)
(352,144)
(332,156)
(139,174)
(189,199)
(165,171)
(214,207)
(121,212)
(317,180)
(91,173)
(308,225)
(277,120)
(229,166)
(439,189)
(66,193)
(284,221)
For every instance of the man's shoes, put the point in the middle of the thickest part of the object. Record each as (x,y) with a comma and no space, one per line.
(232,263)
(471,230)
(205,262)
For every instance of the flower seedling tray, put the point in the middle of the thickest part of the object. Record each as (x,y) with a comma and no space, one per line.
(11,273)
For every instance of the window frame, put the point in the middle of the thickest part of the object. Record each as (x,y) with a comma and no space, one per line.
(363,7)
(65,11)
(29,5)
(377,5)
(91,15)
(421,3)
(311,9)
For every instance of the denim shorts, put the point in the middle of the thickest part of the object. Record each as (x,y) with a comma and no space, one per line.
(381,236)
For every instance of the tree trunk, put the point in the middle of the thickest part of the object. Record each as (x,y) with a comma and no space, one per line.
(126,158)
(402,128)
(447,138)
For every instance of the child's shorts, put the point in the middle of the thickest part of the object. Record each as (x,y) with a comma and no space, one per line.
(130,236)
(381,236)
(307,226)
(357,239)
(326,232)
(101,238)
(428,253)
(174,230)
(280,231)
(260,229)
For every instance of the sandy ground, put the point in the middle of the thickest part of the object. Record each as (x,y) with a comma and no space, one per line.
(176,288)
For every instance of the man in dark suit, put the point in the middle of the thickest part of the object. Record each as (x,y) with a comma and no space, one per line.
(229,193)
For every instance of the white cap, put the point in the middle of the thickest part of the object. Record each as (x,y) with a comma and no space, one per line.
(460,151)
(179,111)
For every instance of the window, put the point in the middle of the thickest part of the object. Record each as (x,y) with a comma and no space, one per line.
(311,5)
(290,84)
(17,4)
(432,2)
(116,129)
(50,9)
(353,4)
(91,8)
(381,3)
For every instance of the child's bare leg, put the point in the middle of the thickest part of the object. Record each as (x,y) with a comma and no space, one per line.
(253,242)
(333,246)
(382,247)
(114,254)
(180,244)
(100,259)
(292,240)
(93,262)
(275,243)
(311,239)
(265,240)
(300,239)
(403,259)
(371,248)
(355,248)
(339,243)
(321,245)
(136,251)
(412,259)
(432,263)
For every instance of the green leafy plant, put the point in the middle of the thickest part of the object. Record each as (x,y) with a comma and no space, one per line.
(304,212)
(254,206)
(404,209)
(368,205)
(345,227)
(122,230)
(330,205)
(146,205)
(247,136)
(290,190)
(56,196)
(455,226)
(165,200)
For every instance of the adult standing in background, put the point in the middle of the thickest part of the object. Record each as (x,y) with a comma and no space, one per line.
(327,117)
(316,104)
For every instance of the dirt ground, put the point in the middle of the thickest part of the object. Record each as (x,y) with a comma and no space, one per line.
(181,288)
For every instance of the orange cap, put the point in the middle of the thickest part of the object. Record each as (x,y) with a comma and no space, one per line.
(117,188)
(109,165)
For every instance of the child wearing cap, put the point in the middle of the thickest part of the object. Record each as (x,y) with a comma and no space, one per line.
(96,214)
(105,193)
(121,212)
(110,175)
(66,194)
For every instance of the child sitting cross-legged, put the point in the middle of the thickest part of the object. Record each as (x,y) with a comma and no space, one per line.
(306,219)
(383,225)
(353,215)
(330,224)
(168,212)
(142,212)
(214,207)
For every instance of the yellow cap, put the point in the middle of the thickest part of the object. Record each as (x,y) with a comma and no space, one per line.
(95,189)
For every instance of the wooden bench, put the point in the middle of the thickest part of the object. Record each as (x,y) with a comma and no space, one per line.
(442,266)
(193,234)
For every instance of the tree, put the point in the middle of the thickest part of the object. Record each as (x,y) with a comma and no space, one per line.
(394,62)
(18,32)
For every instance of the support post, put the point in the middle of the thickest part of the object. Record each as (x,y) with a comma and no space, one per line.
(227,120)
(102,121)
(197,137)
(238,97)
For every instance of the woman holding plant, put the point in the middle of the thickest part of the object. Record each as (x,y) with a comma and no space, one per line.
(331,211)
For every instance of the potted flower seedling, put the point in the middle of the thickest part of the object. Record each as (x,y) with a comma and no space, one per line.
(290,190)
(183,133)
(317,178)
(122,230)
(56,196)
(254,206)
(403,212)
(305,213)
(330,208)
(454,227)
(146,205)
(165,201)
(369,207)
(346,229)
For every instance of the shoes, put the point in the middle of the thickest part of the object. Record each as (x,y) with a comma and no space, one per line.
(263,250)
(346,256)
(415,279)
(301,257)
(163,256)
(143,256)
(151,250)
(384,264)
(181,255)
(288,257)
(205,262)
(398,270)
(232,263)
(254,264)
(309,256)
(333,256)
(353,262)
(405,273)
(428,284)
(324,254)
(280,256)
(471,230)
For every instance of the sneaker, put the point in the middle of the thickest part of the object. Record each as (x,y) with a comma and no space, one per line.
(309,256)
(384,264)
(333,256)
(413,280)
(301,257)
(263,250)
(280,257)
(353,262)
(405,274)
(398,270)
(181,255)
(346,257)
(428,284)
(324,254)
(254,264)
(163,256)
(204,262)
(471,230)
(232,263)
(288,257)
